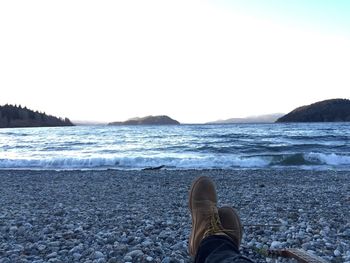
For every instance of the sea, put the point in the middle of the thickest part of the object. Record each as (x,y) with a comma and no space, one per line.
(230,146)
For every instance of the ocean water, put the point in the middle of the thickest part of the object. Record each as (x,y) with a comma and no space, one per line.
(304,146)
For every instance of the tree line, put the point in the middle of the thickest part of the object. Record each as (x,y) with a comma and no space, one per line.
(18,116)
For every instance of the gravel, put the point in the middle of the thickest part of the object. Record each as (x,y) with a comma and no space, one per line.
(142,216)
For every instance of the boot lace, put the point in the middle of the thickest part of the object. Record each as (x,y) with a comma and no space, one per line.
(214,225)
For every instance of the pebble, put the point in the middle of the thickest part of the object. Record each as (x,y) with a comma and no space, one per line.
(166,260)
(275,245)
(52,255)
(113,260)
(99,254)
(13,229)
(133,216)
(135,253)
(76,256)
(128,258)
(75,249)
(41,248)
(147,243)
(149,259)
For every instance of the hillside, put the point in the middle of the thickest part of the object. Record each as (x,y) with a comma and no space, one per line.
(16,116)
(148,120)
(334,110)
(268,118)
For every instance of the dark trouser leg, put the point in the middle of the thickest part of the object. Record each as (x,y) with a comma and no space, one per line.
(217,248)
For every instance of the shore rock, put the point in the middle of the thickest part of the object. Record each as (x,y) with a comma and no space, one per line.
(131,221)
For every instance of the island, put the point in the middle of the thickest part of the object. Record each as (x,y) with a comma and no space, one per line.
(267,118)
(333,110)
(13,116)
(148,120)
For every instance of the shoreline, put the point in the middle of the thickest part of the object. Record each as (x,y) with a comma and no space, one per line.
(142,216)
(320,168)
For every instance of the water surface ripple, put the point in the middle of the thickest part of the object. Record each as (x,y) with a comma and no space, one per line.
(306,146)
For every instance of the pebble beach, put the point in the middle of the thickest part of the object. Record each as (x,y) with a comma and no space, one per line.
(142,216)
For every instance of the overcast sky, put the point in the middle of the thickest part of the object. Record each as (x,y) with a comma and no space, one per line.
(195,61)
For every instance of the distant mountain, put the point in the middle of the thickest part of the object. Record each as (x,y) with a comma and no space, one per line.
(148,120)
(16,116)
(267,118)
(88,123)
(334,110)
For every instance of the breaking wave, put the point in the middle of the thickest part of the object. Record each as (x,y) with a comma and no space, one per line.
(196,162)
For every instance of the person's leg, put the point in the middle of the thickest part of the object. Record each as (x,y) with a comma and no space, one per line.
(216,233)
(215,248)
(223,248)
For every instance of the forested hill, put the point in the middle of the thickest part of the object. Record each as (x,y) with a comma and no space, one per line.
(148,120)
(334,110)
(16,116)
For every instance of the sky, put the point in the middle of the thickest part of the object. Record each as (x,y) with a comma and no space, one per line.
(196,61)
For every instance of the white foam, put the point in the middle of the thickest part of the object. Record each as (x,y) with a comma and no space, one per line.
(329,159)
(178,161)
(195,162)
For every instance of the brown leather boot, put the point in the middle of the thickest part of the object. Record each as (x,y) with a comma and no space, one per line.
(205,217)
(231,224)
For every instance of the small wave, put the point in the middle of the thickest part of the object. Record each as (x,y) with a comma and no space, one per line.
(311,159)
(57,148)
(135,162)
(291,160)
(182,162)
(329,159)
(8,133)
(56,163)
(215,149)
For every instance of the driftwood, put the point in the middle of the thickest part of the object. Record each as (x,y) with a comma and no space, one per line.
(299,254)
(153,168)
(263,225)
